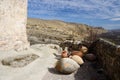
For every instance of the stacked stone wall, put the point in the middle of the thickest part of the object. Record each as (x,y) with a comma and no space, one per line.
(109,56)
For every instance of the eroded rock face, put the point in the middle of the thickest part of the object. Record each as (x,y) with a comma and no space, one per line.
(13,17)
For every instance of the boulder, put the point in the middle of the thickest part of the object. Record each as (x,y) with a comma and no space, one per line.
(77,59)
(90,57)
(66,65)
(19,60)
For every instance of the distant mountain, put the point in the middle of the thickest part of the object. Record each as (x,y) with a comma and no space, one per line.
(54,30)
(112,35)
(115,30)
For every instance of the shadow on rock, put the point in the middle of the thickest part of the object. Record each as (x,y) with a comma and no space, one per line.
(88,72)
(57,56)
(54,71)
(85,72)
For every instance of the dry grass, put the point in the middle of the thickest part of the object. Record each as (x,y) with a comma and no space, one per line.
(58,30)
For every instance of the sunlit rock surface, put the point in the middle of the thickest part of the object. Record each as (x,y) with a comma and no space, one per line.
(13,18)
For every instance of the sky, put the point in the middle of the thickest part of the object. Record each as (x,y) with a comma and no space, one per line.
(98,13)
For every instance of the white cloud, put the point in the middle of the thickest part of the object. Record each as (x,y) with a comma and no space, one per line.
(115,19)
(99,9)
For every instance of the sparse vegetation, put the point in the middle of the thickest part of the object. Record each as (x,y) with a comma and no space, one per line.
(57,31)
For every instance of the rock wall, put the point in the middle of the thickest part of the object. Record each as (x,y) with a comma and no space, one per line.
(13,18)
(109,56)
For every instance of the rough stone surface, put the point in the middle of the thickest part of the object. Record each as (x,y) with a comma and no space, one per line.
(78,59)
(109,56)
(66,65)
(13,17)
(19,61)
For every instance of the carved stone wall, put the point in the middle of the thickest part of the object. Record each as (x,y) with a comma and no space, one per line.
(109,56)
(13,18)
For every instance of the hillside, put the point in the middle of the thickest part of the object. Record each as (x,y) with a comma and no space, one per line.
(113,36)
(53,31)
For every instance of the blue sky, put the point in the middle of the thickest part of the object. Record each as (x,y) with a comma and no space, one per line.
(102,13)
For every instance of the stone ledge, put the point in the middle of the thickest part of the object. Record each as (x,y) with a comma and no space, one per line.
(109,56)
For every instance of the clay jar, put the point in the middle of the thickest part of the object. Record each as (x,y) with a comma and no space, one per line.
(77,59)
(84,49)
(90,57)
(66,66)
(79,53)
(64,54)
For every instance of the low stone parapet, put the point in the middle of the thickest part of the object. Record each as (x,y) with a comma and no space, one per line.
(109,56)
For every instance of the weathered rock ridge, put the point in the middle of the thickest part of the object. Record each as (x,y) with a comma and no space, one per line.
(53,31)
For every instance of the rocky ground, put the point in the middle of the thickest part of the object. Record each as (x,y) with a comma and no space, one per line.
(42,67)
(35,70)
(38,62)
(54,31)
(85,72)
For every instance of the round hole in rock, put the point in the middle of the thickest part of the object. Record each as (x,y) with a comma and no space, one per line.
(20,60)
